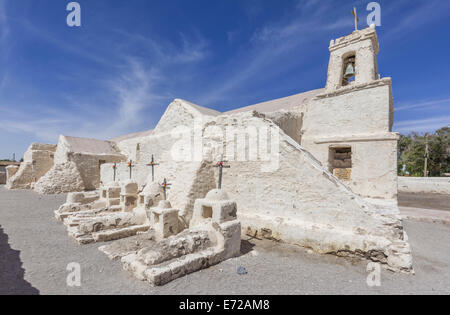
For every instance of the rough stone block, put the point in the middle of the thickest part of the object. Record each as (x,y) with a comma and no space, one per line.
(216,207)
(11,170)
(128,202)
(165,222)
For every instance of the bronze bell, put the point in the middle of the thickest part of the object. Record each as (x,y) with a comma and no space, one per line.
(350,71)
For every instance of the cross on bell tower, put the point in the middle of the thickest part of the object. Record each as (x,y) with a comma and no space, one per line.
(221,166)
(355,15)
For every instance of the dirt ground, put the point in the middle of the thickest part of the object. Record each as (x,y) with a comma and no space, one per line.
(424,201)
(35,252)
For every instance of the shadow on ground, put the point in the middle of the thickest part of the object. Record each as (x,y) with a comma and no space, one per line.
(246,247)
(11,272)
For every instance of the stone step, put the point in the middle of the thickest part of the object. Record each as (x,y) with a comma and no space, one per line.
(176,268)
(118,233)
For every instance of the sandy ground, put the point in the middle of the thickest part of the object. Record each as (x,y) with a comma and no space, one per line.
(35,251)
(424,201)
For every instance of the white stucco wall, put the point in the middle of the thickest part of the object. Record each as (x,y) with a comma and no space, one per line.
(38,160)
(179,117)
(374,166)
(77,165)
(299,202)
(364,110)
(359,117)
(432,185)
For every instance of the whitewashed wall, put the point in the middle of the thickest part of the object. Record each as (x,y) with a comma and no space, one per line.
(433,185)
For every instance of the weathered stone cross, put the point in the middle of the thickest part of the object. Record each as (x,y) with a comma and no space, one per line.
(114,168)
(221,166)
(130,165)
(153,164)
(165,185)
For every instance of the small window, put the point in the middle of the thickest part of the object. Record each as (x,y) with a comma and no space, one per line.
(207,212)
(340,161)
(156,218)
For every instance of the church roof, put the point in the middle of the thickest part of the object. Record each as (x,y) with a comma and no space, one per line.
(286,103)
(133,135)
(203,110)
(91,146)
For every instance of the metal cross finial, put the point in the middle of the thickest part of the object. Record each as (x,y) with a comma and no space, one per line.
(114,168)
(153,164)
(356,18)
(221,166)
(165,185)
(130,165)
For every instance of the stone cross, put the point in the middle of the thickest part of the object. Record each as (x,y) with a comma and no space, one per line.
(221,166)
(165,185)
(356,18)
(153,164)
(114,169)
(130,165)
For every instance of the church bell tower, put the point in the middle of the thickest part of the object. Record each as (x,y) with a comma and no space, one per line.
(353,59)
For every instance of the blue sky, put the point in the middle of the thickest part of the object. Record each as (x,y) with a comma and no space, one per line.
(117,73)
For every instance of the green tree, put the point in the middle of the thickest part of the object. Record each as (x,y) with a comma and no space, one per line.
(412,153)
(440,152)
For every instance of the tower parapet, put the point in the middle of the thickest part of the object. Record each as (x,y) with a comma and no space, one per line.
(353,59)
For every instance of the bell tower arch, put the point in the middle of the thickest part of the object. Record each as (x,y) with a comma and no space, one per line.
(353,59)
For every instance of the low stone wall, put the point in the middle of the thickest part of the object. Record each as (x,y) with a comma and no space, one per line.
(432,185)
(2,178)
(11,170)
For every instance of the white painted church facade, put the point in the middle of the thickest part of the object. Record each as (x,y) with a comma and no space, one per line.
(317,169)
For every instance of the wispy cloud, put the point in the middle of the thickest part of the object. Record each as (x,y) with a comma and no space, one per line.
(426,105)
(422,125)
(272,43)
(44,129)
(79,49)
(109,80)
(309,15)
(131,86)
(130,93)
(134,91)
(187,49)
(411,17)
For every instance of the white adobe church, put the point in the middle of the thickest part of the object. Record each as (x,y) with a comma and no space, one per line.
(317,169)
(347,126)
